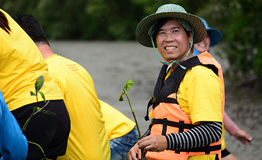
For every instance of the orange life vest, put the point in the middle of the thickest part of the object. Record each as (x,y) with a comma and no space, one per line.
(167,114)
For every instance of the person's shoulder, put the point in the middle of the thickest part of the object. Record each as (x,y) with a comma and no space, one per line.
(55,61)
(200,73)
(66,60)
(201,70)
(70,62)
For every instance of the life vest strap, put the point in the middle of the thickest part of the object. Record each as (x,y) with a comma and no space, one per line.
(155,101)
(207,149)
(164,126)
(163,100)
(181,125)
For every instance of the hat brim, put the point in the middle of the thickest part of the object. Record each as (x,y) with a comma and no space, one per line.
(214,35)
(144,25)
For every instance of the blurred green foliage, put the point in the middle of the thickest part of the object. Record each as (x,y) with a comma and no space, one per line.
(238,20)
(89,19)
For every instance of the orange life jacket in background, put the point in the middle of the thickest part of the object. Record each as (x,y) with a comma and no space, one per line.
(167,114)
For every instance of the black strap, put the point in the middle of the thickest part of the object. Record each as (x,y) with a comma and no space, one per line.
(217,157)
(181,125)
(207,149)
(151,102)
(164,126)
(160,80)
(155,102)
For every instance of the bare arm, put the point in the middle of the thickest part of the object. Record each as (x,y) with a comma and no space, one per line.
(233,130)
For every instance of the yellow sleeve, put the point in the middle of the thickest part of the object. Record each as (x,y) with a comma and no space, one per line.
(200,95)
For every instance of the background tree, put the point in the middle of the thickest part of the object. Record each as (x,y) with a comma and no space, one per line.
(239,21)
(90,19)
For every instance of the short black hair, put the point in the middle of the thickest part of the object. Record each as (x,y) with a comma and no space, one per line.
(4,22)
(32,27)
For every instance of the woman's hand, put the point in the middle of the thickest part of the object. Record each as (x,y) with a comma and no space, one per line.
(243,137)
(155,143)
(134,153)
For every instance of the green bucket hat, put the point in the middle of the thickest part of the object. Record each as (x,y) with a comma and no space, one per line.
(166,11)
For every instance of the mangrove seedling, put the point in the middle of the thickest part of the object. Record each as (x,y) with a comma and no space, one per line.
(127,87)
(38,85)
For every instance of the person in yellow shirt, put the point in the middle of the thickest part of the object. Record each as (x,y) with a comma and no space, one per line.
(187,103)
(88,138)
(21,64)
(87,123)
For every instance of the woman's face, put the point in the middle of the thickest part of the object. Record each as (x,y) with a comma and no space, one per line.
(204,45)
(172,41)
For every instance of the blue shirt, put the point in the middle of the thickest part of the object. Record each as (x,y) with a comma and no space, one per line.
(13,144)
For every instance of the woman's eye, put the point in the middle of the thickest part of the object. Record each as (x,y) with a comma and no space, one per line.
(176,30)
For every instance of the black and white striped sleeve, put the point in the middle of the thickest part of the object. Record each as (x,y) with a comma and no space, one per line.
(198,136)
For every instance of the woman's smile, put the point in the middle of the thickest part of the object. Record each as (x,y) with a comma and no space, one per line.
(172,41)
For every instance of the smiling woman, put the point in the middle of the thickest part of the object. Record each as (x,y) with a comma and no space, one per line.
(173,41)
(187,111)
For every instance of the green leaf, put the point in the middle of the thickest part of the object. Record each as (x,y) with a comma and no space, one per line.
(129,84)
(39,83)
(129,81)
(32,93)
(46,112)
(42,95)
(121,97)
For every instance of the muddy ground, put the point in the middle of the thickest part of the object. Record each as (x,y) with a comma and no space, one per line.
(111,63)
